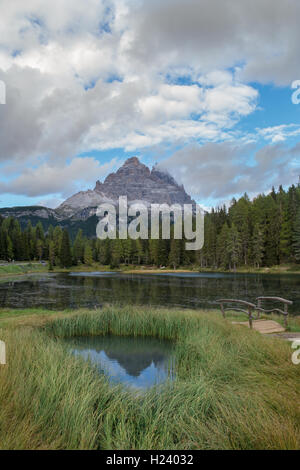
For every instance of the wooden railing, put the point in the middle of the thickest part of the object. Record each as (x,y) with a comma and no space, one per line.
(284,312)
(250,307)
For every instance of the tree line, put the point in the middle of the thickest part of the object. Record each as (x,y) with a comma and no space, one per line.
(261,232)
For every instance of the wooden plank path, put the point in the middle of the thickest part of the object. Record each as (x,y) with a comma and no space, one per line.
(264,327)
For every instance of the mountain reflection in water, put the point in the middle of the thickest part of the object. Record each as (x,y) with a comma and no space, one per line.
(139,362)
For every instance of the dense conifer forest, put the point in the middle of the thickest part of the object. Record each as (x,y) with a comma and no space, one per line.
(258,233)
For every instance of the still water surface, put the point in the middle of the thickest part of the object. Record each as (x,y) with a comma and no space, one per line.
(192,290)
(136,362)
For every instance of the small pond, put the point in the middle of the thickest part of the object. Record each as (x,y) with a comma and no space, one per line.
(137,362)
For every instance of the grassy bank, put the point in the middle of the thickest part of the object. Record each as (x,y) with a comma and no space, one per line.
(280,269)
(234,388)
(24,268)
(30,268)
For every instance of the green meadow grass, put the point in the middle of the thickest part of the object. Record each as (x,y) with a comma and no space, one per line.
(26,268)
(234,388)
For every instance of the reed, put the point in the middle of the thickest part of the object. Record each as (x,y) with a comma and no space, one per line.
(234,388)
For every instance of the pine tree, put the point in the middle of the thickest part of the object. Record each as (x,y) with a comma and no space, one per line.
(104,251)
(285,245)
(233,247)
(39,249)
(88,254)
(174,255)
(9,249)
(57,240)
(51,261)
(79,248)
(139,251)
(257,246)
(127,250)
(65,250)
(222,252)
(239,214)
(116,249)
(296,237)
(16,238)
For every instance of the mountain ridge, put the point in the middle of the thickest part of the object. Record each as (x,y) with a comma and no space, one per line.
(133,179)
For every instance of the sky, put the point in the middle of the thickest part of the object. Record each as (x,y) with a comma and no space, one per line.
(203,88)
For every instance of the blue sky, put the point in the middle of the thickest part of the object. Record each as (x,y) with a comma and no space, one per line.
(207,96)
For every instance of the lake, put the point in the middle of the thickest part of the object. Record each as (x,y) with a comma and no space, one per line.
(189,290)
(137,362)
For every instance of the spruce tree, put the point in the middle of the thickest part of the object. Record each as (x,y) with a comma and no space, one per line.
(257,246)
(222,252)
(116,249)
(174,255)
(65,257)
(296,237)
(78,248)
(88,253)
(233,247)
(57,239)
(51,261)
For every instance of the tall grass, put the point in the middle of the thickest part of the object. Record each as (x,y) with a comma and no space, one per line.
(234,389)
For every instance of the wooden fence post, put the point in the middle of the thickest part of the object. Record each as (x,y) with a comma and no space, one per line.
(286,314)
(250,317)
(259,306)
(222,310)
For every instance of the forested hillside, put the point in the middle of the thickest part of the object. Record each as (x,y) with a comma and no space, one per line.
(262,232)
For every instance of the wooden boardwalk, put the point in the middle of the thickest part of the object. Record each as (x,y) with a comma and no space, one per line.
(264,327)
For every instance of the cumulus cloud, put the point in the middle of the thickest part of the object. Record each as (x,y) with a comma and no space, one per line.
(216,171)
(104,74)
(76,79)
(49,179)
(263,35)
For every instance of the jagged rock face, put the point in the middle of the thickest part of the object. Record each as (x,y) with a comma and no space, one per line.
(133,180)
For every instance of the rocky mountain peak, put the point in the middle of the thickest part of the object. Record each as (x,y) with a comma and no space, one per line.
(132,161)
(134,180)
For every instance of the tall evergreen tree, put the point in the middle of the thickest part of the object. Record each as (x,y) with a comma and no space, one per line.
(65,250)
(233,247)
(257,246)
(296,237)
(79,248)
(88,253)
(174,255)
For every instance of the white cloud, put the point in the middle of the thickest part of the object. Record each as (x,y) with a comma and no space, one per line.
(104,74)
(51,54)
(51,202)
(280,133)
(48,179)
(216,171)
(262,35)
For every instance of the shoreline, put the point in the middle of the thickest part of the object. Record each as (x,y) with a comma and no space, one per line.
(16,270)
